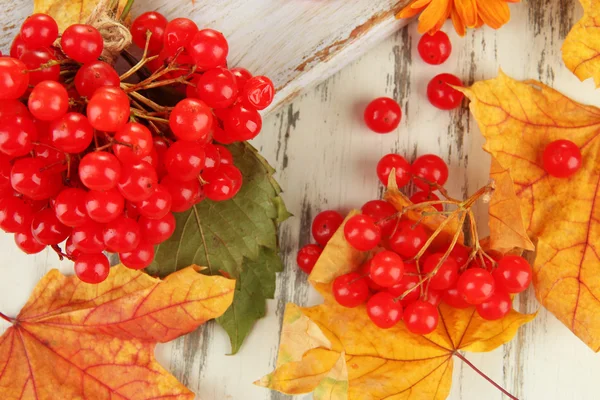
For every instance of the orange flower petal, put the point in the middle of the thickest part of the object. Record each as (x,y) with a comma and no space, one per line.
(438,10)
(459,26)
(494,13)
(467,10)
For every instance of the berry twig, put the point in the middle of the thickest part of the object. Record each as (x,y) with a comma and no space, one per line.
(487,378)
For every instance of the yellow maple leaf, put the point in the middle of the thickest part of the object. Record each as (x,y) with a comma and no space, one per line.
(73,340)
(339,354)
(581,49)
(72,11)
(519,119)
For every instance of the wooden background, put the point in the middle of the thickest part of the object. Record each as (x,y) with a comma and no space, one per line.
(326,159)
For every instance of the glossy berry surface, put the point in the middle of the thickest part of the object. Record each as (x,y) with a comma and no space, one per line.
(157,205)
(134,142)
(99,170)
(562,158)
(476,285)
(39,30)
(82,43)
(242,122)
(178,33)
(217,88)
(184,160)
(398,164)
(209,49)
(421,317)
(383,214)
(27,243)
(442,95)
(13,79)
(259,92)
(191,120)
(94,75)
(108,110)
(409,281)
(71,133)
(47,229)
(384,310)
(155,231)
(383,115)
(70,207)
(87,238)
(513,274)
(496,307)
(30,177)
(429,170)
(137,181)
(183,194)
(350,290)
(92,268)
(34,59)
(387,269)
(139,258)
(48,101)
(104,206)
(151,21)
(454,298)
(435,49)
(362,233)
(446,274)
(15,215)
(408,238)
(121,235)
(308,256)
(325,224)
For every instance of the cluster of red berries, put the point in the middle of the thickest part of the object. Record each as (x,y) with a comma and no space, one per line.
(84,162)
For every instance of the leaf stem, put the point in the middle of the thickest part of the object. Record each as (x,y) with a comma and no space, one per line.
(4,317)
(487,378)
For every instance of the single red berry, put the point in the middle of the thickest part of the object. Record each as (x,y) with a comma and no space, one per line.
(28,243)
(108,110)
(69,207)
(121,235)
(34,59)
(178,33)
(99,170)
(364,271)
(13,78)
(220,187)
(70,249)
(460,253)
(151,21)
(259,92)
(242,75)
(104,206)
(387,269)
(71,133)
(476,285)
(410,280)
(94,75)
(308,256)
(18,47)
(384,310)
(421,317)
(383,115)
(157,205)
(408,238)
(191,120)
(350,290)
(242,122)
(325,224)
(184,160)
(39,30)
(82,43)
(429,170)
(47,229)
(217,88)
(433,297)
(362,233)
(382,213)
(423,196)
(435,49)
(226,157)
(447,271)
(92,268)
(155,231)
(17,129)
(513,274)
(397,163)
(183,194)
(209,49)
(48,101)
(87,238)
(496,307)
(454,298)
(233,173)
(562,158)
(30,177)
(15,215)
(137,181)
(212,161)
(442,95)
(139,258)
(134,142)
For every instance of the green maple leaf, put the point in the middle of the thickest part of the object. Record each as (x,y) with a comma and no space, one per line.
(237,238)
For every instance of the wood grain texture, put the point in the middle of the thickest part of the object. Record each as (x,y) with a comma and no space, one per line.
(326,158)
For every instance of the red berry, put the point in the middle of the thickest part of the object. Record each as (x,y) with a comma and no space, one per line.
(209,49)
(18,47)
(399,164)
(408,238)
(15,215)
(383,115)
(233,173)
(27,243)
(382,213)
(151,21)
(157,205)
(13,78)
(384,310)
(70,249)
(221,187)
(308,256)
(47,229)
(226,157)
(121,235)
(442,95)
(30,177)
(191,120)
(496,307)
(387,269)
(104,206)
(410,280)
(92,76)
(17,129)
(365,270)
(161,147)
(513,274)
(217,88)
(184,160)
(446,274)
(476,285)
(454,298)
(259,92)
(137,181)
(99,170)
(108,110)
(155,231)
(242,75)
(92,268)
(562,158)
(136,142)
(435,49)
(87,238)
(460,253)
(212,161)
(242,123)
(34,59)
(350,290)
(183,194)
(434,297)
(139,258)
(425,196)
(39,30)
(421,317)
(362,233)
(72,133)
(178,33)
(48,101)
(325,224)
(429,170)
(82,43)
(70,207)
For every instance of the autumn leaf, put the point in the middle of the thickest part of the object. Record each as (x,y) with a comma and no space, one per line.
(237,237)
(581,49)
(339,354)
(518,120)
(73,340)
(70,12)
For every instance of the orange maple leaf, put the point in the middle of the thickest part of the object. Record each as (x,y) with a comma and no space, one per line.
(78,341)
(581,49)
(519,119)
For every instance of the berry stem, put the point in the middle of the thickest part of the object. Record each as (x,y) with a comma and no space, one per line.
(4,317)
(487,378)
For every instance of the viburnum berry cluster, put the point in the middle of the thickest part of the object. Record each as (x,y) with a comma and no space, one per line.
(410,271)
(89,159)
